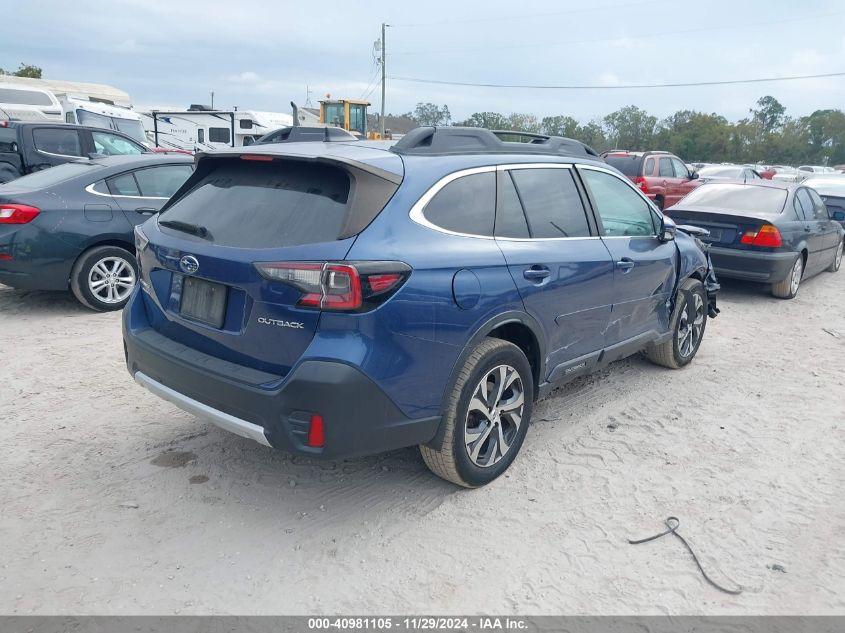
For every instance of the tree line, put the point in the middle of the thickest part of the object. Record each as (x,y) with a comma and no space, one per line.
(766,135)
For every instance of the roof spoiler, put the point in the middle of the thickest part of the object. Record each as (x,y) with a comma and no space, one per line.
(439,141)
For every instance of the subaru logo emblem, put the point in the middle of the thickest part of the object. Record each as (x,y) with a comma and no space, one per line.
(189,264)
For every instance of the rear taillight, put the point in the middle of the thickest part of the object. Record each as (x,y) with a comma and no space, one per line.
(767,235)
(338,285)
(316,431)
(17,213)
(641,182)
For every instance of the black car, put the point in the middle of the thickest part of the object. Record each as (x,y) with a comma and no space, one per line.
(29,147)
(71,226)
(773,232)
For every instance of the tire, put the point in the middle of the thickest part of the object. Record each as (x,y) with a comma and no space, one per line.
(788,288)
(837,258)
(92,283)
(688,323)
(465,412)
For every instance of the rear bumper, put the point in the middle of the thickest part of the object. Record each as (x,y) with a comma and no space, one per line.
(359,418)
(763,267)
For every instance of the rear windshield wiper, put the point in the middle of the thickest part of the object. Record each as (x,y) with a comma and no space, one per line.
(187,227)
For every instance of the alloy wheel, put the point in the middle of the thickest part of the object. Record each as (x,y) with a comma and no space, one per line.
(797,272)
(494,415)
(690,326)
(111,280)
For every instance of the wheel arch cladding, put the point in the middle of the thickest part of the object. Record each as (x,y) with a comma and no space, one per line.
(518,328)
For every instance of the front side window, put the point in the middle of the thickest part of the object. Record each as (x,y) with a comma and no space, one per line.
(465,205)
(681,170)
(666,170)
(163,181)
(552,204)
(622,210)
(57,141)
(357,118)
(113,145)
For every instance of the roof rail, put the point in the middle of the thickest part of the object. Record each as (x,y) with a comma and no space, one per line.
(302,133)
(440,141)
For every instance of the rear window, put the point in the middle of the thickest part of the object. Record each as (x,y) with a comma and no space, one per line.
(720,172)
(737,197)
(54,175)
(253,205)
(626,163)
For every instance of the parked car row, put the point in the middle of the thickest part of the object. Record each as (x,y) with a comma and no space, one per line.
(306,294)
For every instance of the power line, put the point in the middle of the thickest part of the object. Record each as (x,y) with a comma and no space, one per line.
(545,45)
(616,87)
(512,17)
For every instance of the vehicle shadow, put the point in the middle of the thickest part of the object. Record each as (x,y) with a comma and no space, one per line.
(38,302)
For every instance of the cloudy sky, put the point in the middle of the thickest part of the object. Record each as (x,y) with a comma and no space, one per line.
(262,54)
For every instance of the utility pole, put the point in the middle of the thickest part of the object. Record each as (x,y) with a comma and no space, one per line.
(383,75)
(212,99)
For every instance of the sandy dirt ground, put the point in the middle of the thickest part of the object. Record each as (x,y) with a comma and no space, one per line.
(115,502)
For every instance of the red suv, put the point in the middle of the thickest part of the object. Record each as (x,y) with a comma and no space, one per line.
(662,176)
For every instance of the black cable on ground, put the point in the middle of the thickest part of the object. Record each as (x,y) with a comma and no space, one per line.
(672,523)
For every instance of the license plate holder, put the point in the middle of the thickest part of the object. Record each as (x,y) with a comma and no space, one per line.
(203,301)
(715,235)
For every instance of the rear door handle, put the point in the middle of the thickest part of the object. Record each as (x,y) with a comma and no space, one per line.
(146,210)
(536,273)
(625,264)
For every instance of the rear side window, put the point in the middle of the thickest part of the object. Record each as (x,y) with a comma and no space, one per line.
(161,182)
(254,205)
(623,211)
(124,185)
(219,135)
(57,141)
(466,205)
(649,167)
(666,170)
(803,198)
(819,206)
(510,218)
(552,203)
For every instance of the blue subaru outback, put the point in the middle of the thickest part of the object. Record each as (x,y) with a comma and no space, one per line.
(342,299)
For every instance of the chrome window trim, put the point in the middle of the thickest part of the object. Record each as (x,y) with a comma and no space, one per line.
(417,210)
(90,189)
(41,151)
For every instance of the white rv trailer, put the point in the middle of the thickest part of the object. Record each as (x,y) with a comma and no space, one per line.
(97,105)
(201,129)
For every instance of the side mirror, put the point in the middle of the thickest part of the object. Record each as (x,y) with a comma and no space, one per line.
(839,216)
(668,228)
(693,175)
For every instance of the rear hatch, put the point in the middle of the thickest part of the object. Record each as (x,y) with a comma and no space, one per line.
(199,267)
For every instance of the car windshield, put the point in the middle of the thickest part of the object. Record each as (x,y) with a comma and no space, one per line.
(628,164)
(720,172)
(737,197)
(52,176)
(827,186)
